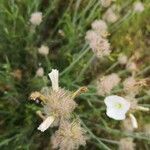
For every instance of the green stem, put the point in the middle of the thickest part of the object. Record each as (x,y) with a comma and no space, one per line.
(76,10)
(95,137)
(112,67)
(48,62)
(143,71)
(85,68)
(75,61)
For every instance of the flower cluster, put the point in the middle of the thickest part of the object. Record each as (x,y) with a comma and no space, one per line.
(96,38)
(58,106)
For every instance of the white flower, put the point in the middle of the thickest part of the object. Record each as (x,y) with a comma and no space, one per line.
(54,79)
(46,123)
(116,107)
(40,72)
(43,50)
(36,18)
(138,7)
(133,121)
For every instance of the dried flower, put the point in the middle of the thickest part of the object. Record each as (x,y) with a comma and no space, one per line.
(99,45)
(110,16)
(138,7)
(40,72)
(105,3)
(107,83)
(43,50)
(122,59)
(59,102)
(132,86)
(117,107)
(36,18)
(69,136)
(126,144)
(100,27)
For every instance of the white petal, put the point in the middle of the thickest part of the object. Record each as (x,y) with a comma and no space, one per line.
(142,108)
(115,114)
(133,121)
(46,123)
(54,79)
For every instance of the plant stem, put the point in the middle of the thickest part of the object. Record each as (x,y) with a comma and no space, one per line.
(75,61)
(95,137)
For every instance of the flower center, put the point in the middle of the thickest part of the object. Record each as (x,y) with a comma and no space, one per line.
(118,105)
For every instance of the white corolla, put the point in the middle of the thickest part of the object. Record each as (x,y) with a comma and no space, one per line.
(117,107)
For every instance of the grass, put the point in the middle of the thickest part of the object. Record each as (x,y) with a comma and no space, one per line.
(77,64)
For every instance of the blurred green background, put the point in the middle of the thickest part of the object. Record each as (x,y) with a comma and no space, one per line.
(63,29)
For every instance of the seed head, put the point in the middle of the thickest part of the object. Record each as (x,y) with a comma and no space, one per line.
(36,18)
(107,83)
(43,50)
(69,136)
(59,103)
(100,46)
